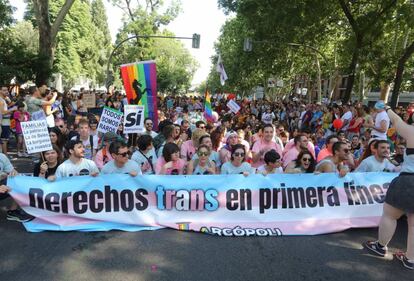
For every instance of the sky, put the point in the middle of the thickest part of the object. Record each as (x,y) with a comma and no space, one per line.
(198,16)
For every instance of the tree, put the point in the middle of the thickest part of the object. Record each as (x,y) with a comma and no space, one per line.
(6,13)
(366,21)
(18,52)
(175,66)
(47,36)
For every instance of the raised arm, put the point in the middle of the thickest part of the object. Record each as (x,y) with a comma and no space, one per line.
(405,130)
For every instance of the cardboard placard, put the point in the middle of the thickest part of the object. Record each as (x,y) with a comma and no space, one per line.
(110,120)
(134,118)
(36,136)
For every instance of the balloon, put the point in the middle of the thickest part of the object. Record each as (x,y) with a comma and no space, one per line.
(337,124)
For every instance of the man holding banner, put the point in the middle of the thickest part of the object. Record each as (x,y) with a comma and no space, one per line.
(121,163)
(77,164)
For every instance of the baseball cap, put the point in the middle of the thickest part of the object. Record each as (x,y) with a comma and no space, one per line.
(379,105)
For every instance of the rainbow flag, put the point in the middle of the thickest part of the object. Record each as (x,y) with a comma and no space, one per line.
(208,111)
(140,84)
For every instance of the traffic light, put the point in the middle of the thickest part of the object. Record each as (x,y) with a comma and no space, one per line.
(196,41)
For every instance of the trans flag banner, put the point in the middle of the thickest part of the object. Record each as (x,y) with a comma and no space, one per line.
(140,84)
(224,205)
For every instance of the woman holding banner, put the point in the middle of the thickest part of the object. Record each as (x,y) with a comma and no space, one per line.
(237,163)
(52,159)
(170,163)
(399,199)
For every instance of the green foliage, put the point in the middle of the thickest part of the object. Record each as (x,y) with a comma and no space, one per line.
(18,52)
(175,66)
(378,31)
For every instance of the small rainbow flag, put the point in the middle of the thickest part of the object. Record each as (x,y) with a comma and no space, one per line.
(183,225)
(208,111)
(140,83)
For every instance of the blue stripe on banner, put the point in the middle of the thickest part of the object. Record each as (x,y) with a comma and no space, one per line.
(34,226)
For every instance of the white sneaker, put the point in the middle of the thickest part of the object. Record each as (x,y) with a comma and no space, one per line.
(19,154)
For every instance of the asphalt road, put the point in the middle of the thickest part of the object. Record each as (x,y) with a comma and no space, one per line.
(176,255)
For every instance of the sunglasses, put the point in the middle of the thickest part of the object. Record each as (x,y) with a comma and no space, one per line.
(238,154)
(125,154)
(306,159)
(203,153)
(61,126)
(202,127)
(148,124)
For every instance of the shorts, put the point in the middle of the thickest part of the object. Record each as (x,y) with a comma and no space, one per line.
(400,193)
(5,132)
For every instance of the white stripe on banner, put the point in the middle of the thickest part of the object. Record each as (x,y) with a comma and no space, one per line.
(231,205)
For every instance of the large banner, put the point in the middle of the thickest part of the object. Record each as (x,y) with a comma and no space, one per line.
(225,205)
(140,84)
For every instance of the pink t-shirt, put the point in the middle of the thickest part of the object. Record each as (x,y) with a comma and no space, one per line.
(187,150)
(261,145)
(178,167)
(290,156)
(17,116)
(323,154)
(291,144)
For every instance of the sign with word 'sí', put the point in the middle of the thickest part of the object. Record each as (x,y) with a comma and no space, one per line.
(36,136)
(233,106)
(89,100)
(110,120)
(134,119)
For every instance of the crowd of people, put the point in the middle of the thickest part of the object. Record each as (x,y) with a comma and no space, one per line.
(264,137)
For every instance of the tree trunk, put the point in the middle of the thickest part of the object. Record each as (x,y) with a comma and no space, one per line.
(46,55)
(47,36)
(399,74)
(385,90)
(319,78)
(351,77)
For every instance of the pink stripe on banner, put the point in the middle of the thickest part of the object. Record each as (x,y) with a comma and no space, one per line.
(305,227)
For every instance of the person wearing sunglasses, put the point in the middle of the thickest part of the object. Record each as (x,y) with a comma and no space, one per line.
(121,163)
(305,163)
(335,163)
(170,162)
(148,124)
(237,163)
(273,164)
(202,165)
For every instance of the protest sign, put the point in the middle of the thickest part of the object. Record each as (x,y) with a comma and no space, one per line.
(233,106)
(38,115)
(225,205)
(36,136)
(110,120)
(134,119)
(89,100)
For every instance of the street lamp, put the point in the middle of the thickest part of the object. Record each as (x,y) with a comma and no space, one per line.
(109,80)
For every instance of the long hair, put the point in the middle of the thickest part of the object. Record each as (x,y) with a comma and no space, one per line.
(312,165)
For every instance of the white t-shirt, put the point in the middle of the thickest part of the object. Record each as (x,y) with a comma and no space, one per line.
(262,169)
(130,166)
(143,162)
(267,118)
(346,118)
(371,164)
(229,169)
(378,119)
(70,169)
